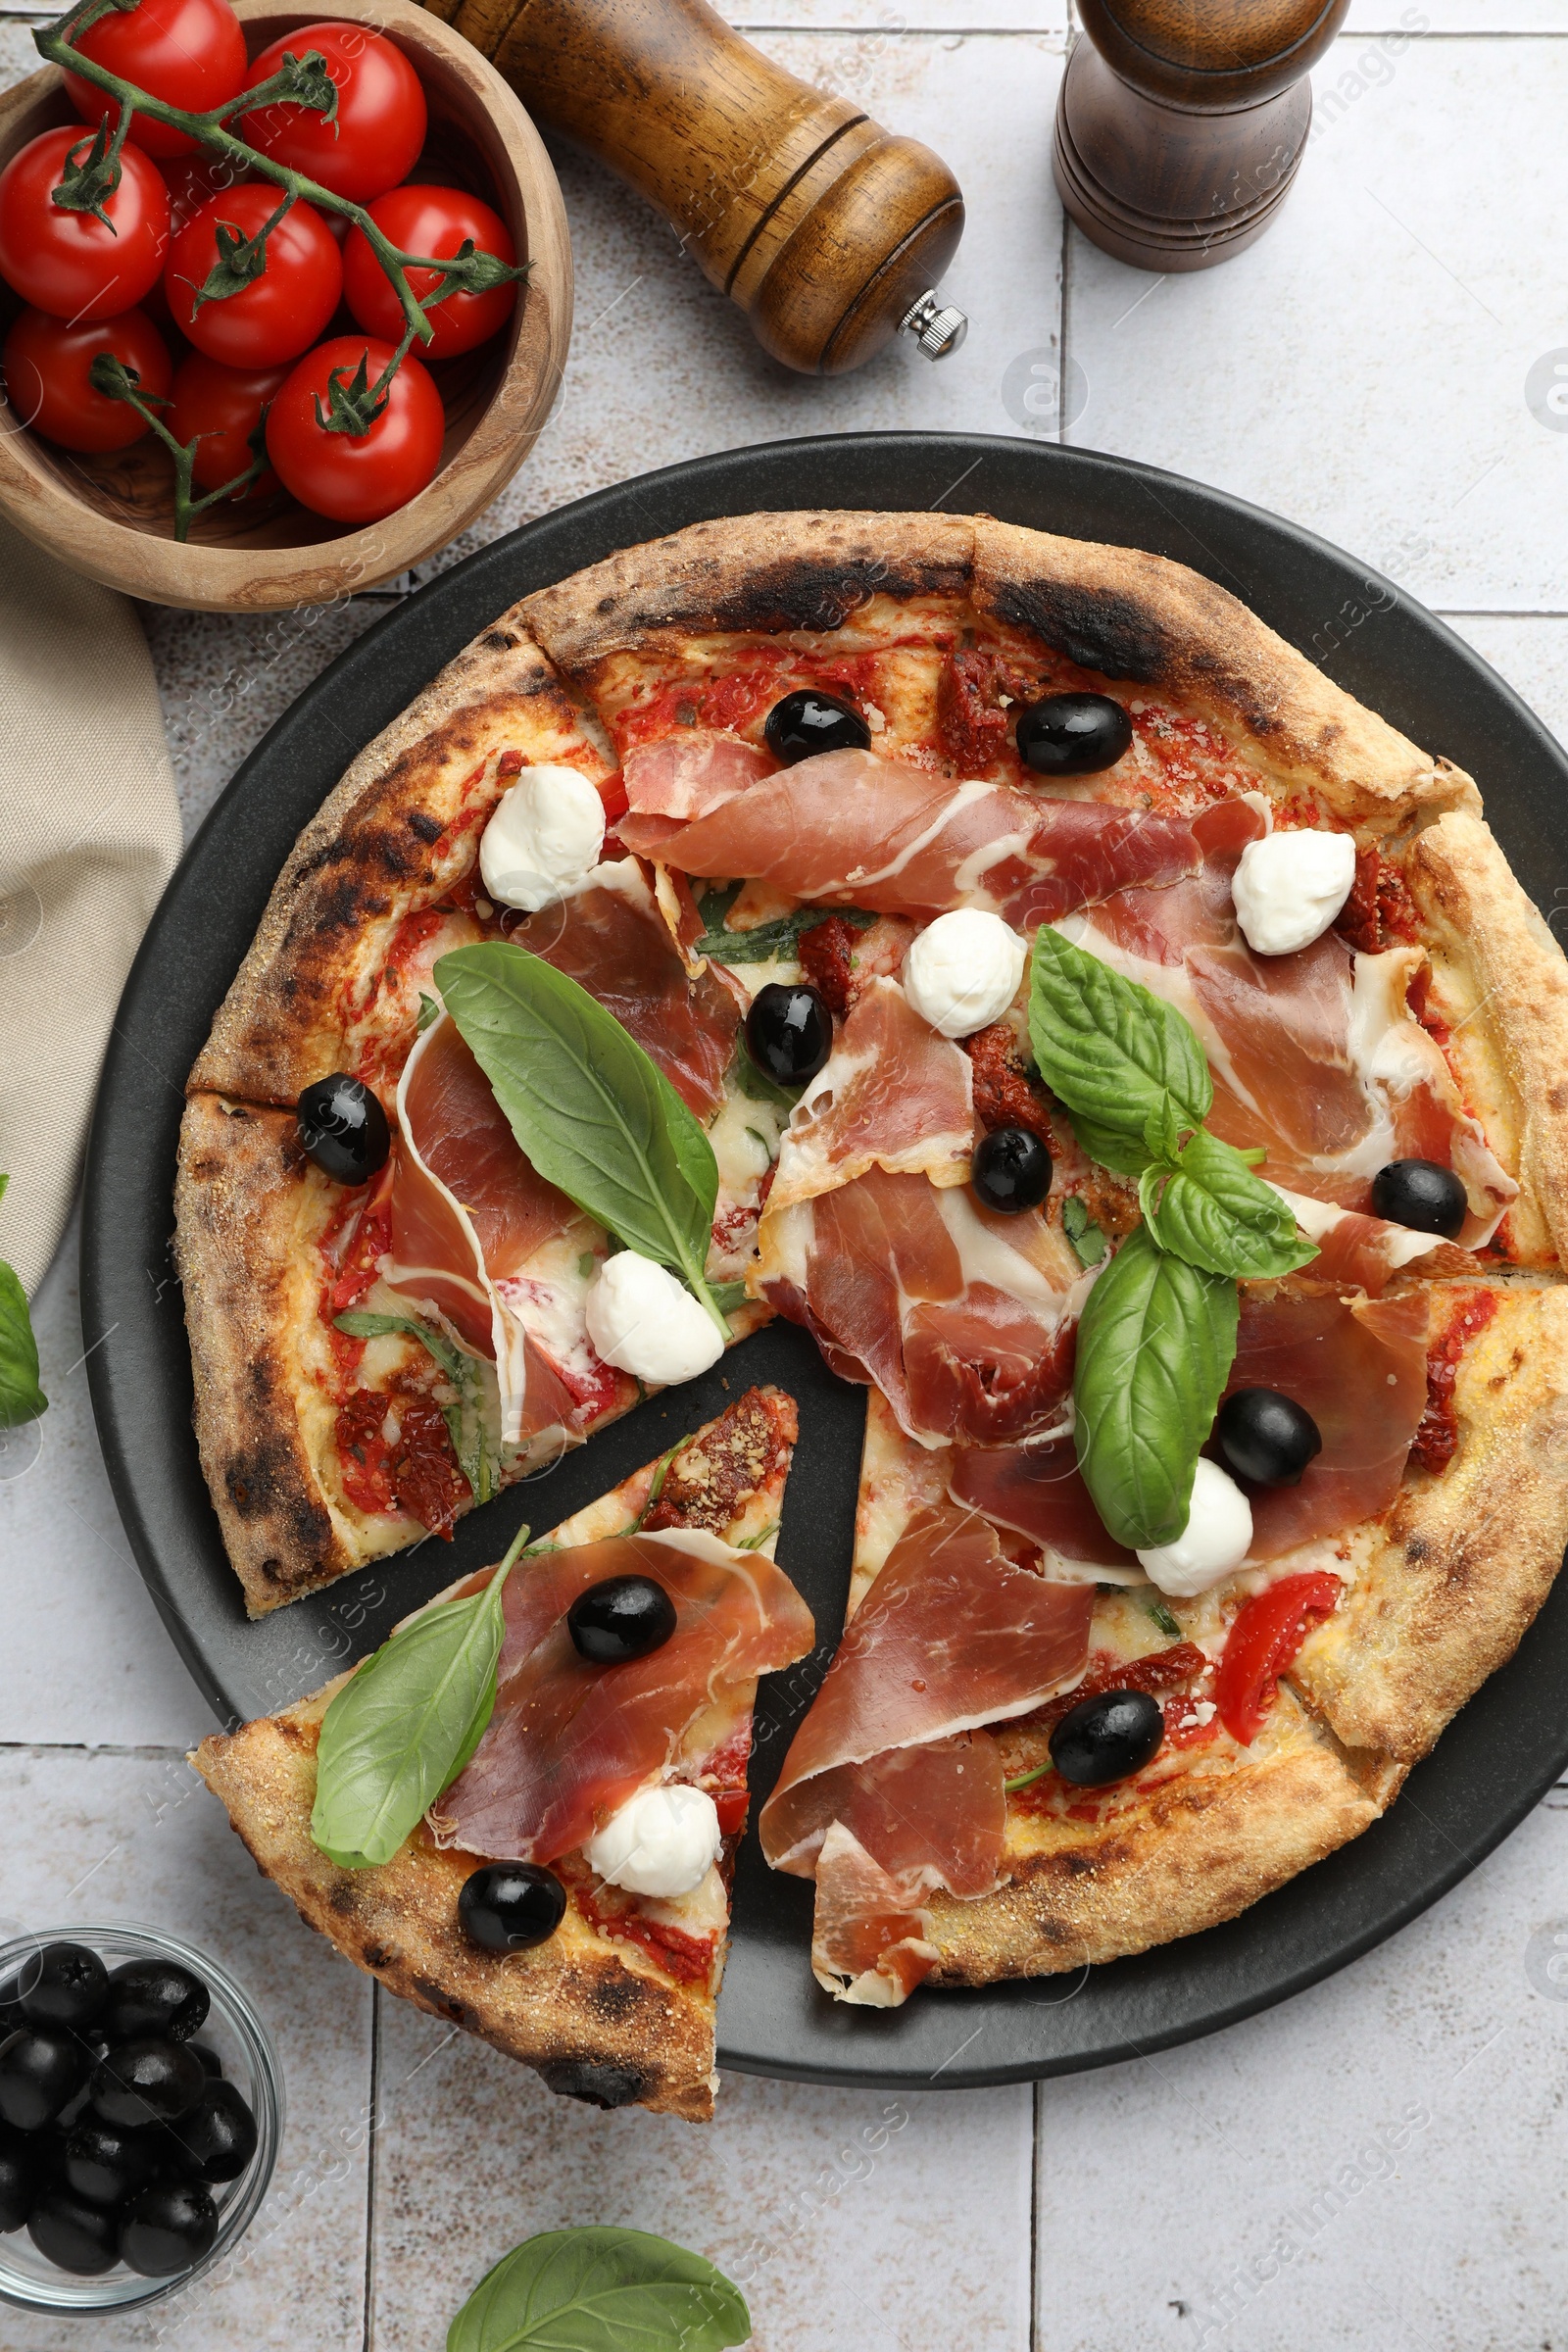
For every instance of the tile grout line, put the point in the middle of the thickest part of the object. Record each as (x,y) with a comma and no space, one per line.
(1033,2337)
(370,2165)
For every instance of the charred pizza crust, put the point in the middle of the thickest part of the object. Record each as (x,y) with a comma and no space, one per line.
(595,2016)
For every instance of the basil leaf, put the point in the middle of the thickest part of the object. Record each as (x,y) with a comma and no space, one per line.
(601,2290)
(404,1726)
(1107,1048)
(429,1010)
(1127,1154)
(466,1417)
(21,1398)
(767,940)
(594,1114)
(728,1295)
(757,1086)
(1087,1242)
(1155,1346)
(1162,1617)
(1212,1210)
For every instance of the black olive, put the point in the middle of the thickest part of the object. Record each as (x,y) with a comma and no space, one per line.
(1074,734)
(212,2064)
(622,1617)
(171,2226)
(216,2140)
(1012,1169)
(106,2164)
(40,2066)
(64,1987)
(507,1906)
(72,2234)
(1267,1436)
(789,1032)
(343,1128)
(18,2177)
(11,2016)
(1105,1738)
(146,2081)
(805,721)
(154,1997)
(1421,1194)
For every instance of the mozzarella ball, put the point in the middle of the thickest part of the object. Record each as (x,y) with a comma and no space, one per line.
(1216,1540)
(1289,887)
(663,1842)
(642,1320)
(964,970)
(544,837)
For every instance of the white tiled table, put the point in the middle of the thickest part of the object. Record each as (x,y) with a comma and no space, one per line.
(1381,2162)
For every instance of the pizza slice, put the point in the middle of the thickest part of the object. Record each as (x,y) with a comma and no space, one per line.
(564,1817)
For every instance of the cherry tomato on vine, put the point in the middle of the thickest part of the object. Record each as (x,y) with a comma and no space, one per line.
(420,219)
(224,406)
(190,53)
(381,113)
(68,262)
(280,312)
(46,361)
(347,478)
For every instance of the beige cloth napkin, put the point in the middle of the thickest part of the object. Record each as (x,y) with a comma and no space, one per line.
(90,832)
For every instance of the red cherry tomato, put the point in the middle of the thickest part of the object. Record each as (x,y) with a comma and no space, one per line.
(46,362)
(1265,1635)
(279,314)
(349,479)
(381,113)
(190,53)
(68,262)
(219,408)
(420,220)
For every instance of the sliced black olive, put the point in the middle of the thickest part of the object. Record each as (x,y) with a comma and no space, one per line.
(106,2164)
(1074,734)
(619,1618)
(170,2225)
(343,1128)
(807,721)
(789,1032)
(1012,1170)
(64,1987)
(146,2081)
(1267,1436)
(1105,1738)
(1421,1194)
(18,2177)
(155,1997)
(216,2139)
(507,1906)
(40,2066)
(72,2234)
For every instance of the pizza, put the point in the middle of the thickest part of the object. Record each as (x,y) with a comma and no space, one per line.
(1132,1060)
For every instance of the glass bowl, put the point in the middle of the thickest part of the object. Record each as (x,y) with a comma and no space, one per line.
(250,2062)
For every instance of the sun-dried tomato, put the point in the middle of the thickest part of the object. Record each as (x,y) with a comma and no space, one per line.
(1004,1096)
(1437,1437)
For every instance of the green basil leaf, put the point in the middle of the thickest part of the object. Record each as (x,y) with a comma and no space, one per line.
(1162,1617)
(1212,1210)
(21,1398)
(1107,1048)
(1087,1242)
(404,1726)
(1127,1154)
(757,1086)
(429,1010)
(728,1295)
(767,940)
(466,1417)
(601,2290)
(1154,1347)
(594,1114)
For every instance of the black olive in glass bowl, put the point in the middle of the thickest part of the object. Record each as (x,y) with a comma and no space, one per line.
(18,2177)
(1107,1736)
(212,2064)
(620,1618)
(40,2067)
(1012,1170)
(509,1906)
(1266,1437)
(72,2234)
(789,1032)
(343,1128)
(168,2227)
(1421,1194)
(105,2163)
(214,2139)
(807,723)
(146,2081)
(1074,734)
(64,1988)
(155,1997)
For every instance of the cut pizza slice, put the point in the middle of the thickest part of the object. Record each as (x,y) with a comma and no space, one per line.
(573,1777)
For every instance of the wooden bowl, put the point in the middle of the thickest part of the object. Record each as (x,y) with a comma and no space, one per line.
(112,517)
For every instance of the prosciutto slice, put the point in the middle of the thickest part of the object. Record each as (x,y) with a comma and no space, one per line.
(894,1095)
(569,1742)
(891,1785)
(686,776)
(1038,1491)
(966,1322)
(857,829)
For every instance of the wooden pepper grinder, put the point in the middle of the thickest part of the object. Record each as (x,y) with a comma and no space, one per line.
(828,231)
(1181,123)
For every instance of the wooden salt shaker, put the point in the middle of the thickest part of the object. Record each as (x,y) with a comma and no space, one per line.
(1181,123)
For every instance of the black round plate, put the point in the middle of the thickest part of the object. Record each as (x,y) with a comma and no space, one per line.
(1506,1746)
